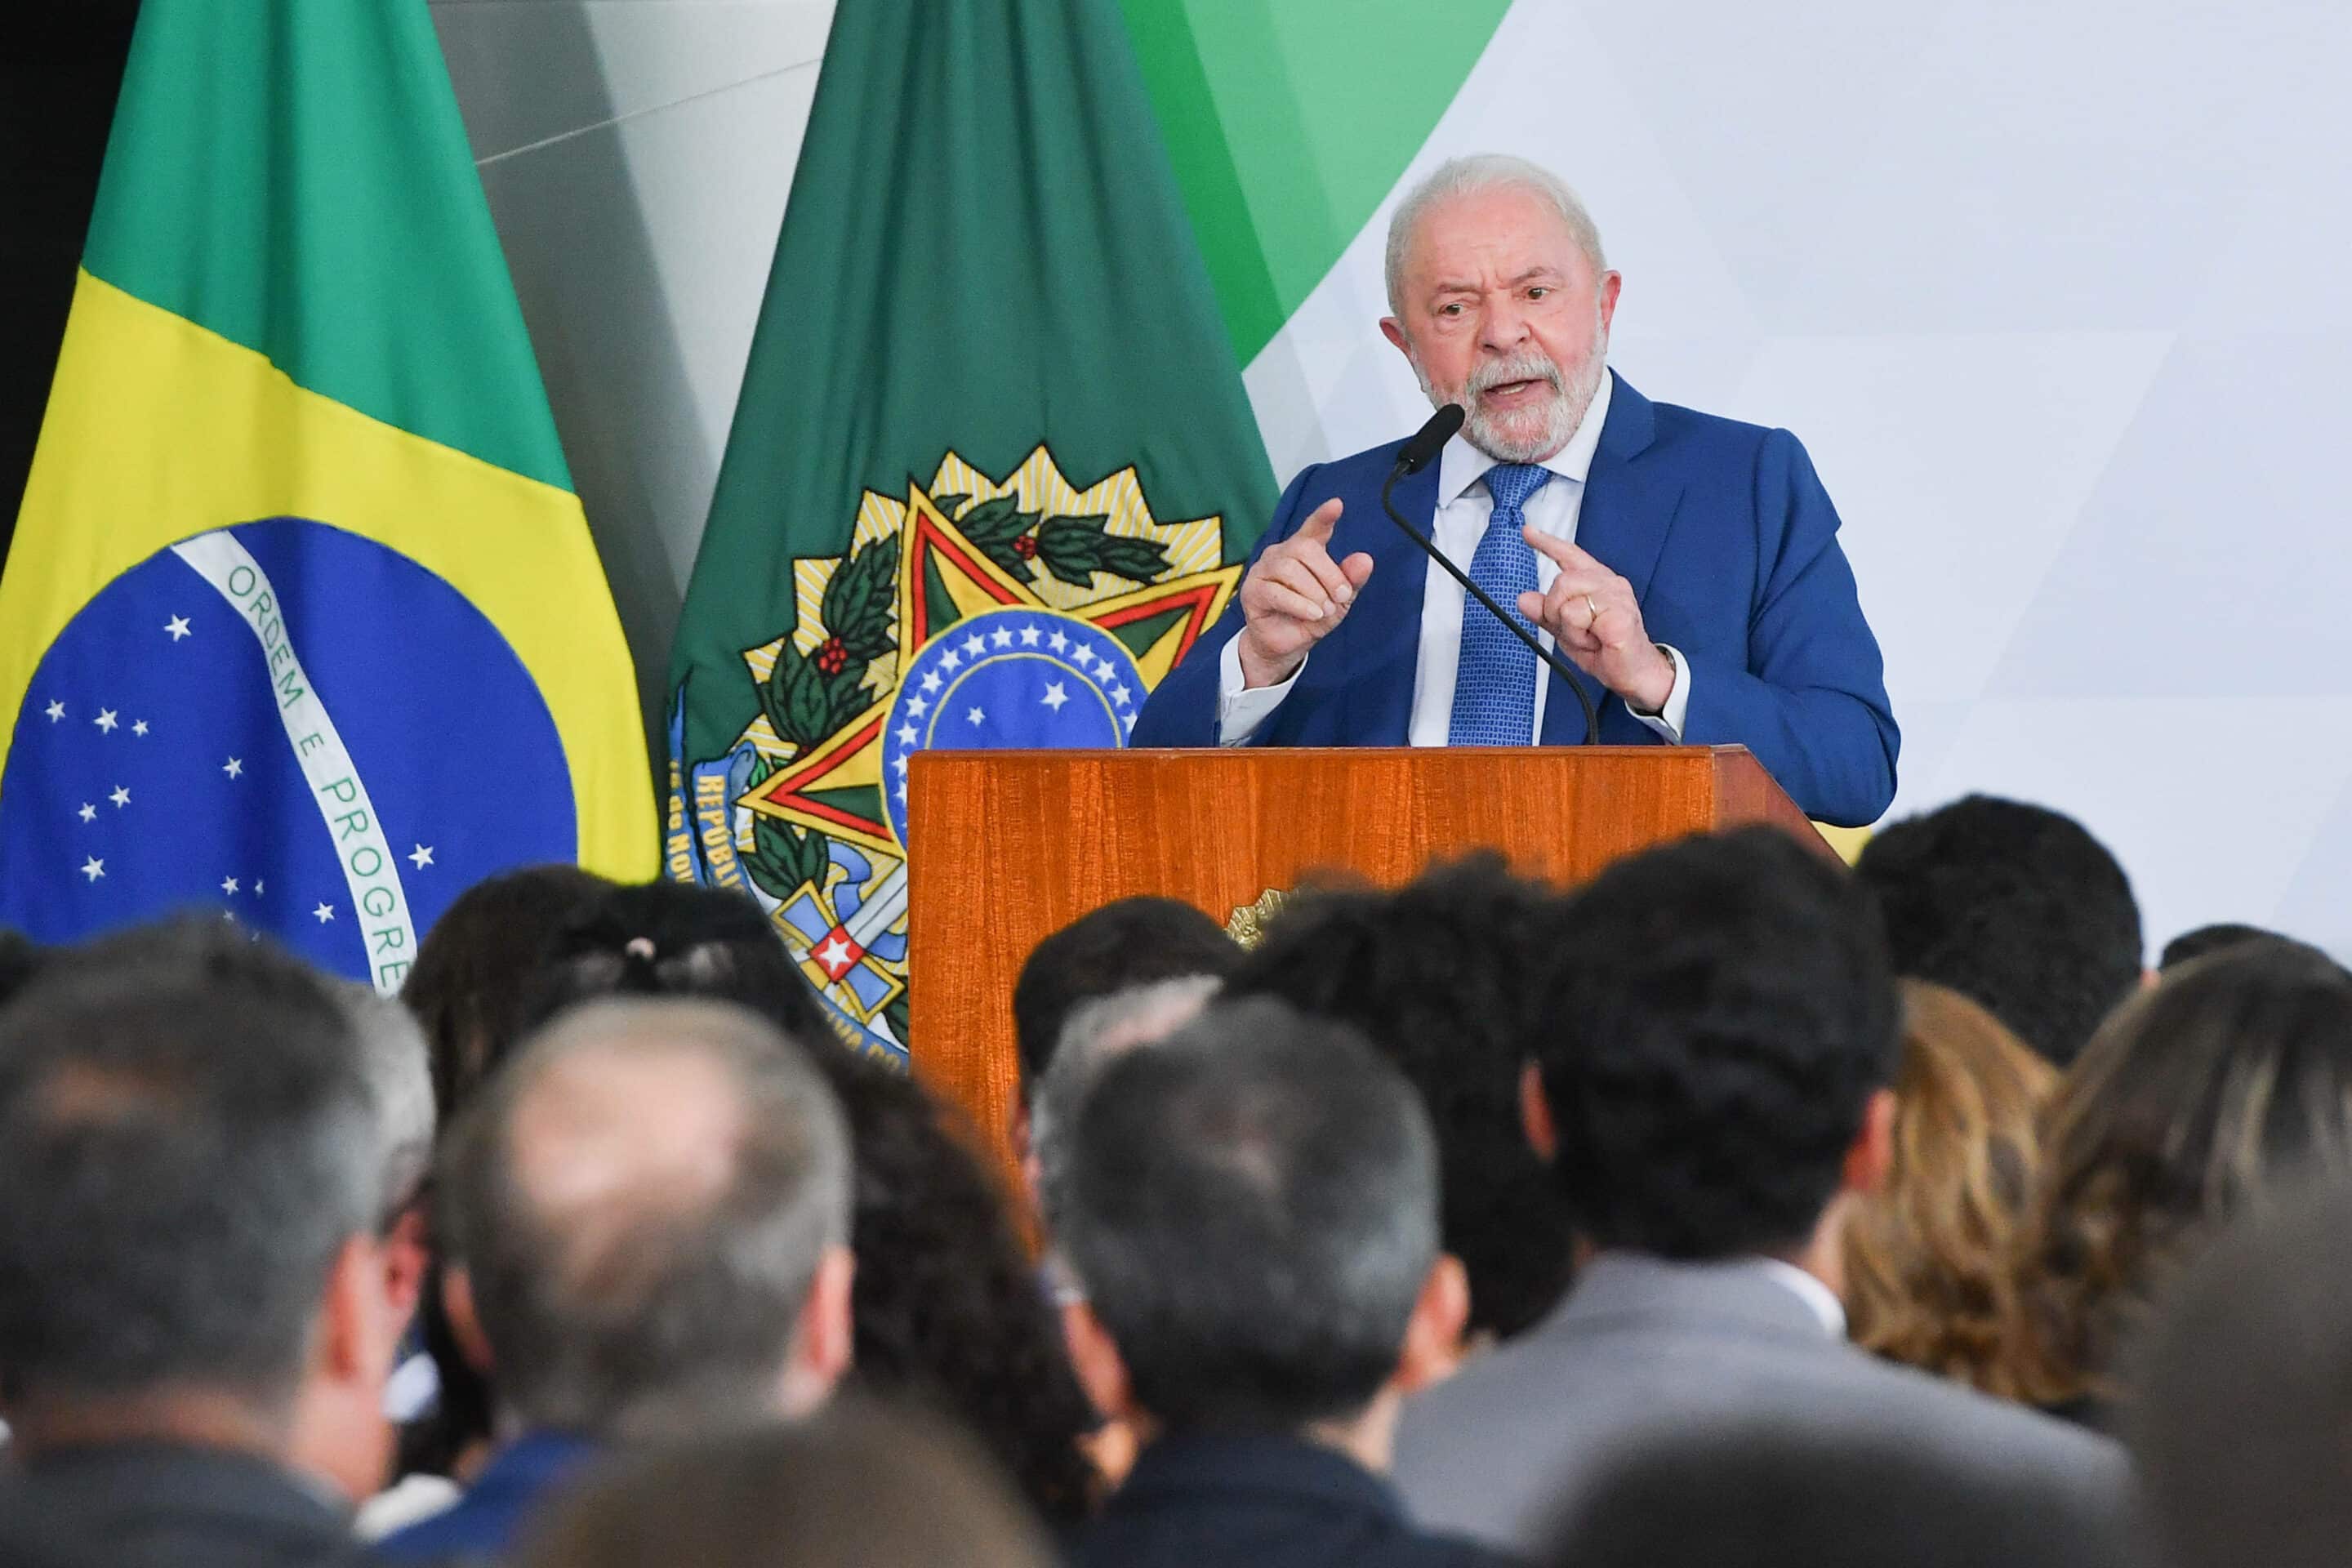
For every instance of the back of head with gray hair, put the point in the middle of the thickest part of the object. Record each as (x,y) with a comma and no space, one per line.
(399,1068)
(639,1258)
(1469,175)
(1097,1034)
(1252,1207)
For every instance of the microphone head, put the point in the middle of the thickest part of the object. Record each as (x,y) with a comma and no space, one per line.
(1431,439)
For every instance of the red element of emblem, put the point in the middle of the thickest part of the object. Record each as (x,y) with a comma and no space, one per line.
(837,954)
(1025,547)
(831,655)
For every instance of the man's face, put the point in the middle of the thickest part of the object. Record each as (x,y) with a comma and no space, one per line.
(1501,314)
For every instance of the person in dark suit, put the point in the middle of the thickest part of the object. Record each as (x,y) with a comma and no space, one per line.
(194,1310)
(1250,1207)
(1710,1081)
(1687,565)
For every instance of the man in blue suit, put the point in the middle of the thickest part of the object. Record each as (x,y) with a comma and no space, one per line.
(1689,566)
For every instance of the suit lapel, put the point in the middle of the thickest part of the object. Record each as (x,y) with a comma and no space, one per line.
(1627,508)
(1384,626)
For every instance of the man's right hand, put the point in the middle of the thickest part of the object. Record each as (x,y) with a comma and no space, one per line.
(1293,598)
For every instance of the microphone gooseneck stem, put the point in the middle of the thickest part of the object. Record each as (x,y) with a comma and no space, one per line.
(1559,666)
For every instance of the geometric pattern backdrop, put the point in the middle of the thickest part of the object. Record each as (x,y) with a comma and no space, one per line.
(2050,290)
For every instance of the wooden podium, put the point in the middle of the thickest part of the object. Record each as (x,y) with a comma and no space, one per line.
(1007,847)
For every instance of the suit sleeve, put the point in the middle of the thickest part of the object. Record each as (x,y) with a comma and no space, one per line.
(1182,711)
(1811,703)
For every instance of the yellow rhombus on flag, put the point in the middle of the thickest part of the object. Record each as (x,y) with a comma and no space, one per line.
(302,619)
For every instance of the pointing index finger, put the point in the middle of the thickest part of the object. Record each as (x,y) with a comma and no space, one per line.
(1564,554)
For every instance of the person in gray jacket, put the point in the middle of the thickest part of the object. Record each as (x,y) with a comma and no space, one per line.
(1710,1083)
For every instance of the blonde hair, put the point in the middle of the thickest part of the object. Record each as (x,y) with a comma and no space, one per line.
(1927,1257)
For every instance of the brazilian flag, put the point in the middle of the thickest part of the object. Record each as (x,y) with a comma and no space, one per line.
(991,473)
(303,621)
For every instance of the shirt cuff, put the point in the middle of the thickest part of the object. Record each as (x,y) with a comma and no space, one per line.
(1242,708)
(1667,721)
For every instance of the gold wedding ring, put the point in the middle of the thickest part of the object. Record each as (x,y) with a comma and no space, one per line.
(1592,612)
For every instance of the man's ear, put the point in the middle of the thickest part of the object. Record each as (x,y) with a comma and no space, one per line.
(357,1334)
(1432,1339)
(1534,1114)
(1393,330)
(464,1322)
(822,1343)
(1872,1154)
(1093,1356)
(1611,282)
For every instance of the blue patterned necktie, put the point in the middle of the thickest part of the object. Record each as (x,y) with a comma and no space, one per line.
(1495,684)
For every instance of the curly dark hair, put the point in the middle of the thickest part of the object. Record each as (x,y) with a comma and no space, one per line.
(2014,906)
(2199,1097)
(948,1312)
(1719,1013)
(1444,977)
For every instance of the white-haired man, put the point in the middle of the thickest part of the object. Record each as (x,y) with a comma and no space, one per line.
(1687,565)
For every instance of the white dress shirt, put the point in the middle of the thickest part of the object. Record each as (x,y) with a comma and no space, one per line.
(1463,507)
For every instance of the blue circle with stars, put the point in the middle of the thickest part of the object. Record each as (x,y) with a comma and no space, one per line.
(1009,679)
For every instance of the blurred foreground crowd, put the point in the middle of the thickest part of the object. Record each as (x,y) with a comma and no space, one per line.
(1733,1209)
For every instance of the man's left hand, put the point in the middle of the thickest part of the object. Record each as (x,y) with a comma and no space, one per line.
(1593,617)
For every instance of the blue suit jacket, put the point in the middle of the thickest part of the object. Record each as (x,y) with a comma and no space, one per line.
(1730,543)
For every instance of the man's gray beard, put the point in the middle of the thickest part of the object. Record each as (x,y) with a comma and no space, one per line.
(1571,396)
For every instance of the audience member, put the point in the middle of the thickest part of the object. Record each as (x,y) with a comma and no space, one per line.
(2194,1099)
(1098,1032)
(192,1306)
(948,1312)
(2014,906)
(946,1309)
(470,982)
(20,959)
(1252,1207)
(2207,939)
(1123,944)
(2247,1377)
(647,1214)
(1762,1496)
(1442,976)
(1720,1028)
(1930,1255)
(854,1486)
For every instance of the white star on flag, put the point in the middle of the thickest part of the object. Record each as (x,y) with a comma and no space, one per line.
(1119,693)
(140,728)
(93,868)
(1055,696)
(908,736)
(1057,642)
(975,716)
(88,812)
(234,767)
(1084,657)
(422,857)
(105,720)
(257,886)
(120,797)
(1002,636)
(324,913)
(899,763)
(974,645)
(1028,637)
(901,791)
(951,660)
(228,884)
(918,705)
(56,711)
(930,680)
(833,954)
(178,627)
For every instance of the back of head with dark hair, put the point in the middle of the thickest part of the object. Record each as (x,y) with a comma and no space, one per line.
(2204,941)
(947,1312)
(1773,1496)
(1125,943)
(20,959)
(674,939)
(1252,1206)
(852,1486)
(1720,1012)
(2015,906)
(2245,1382)
(2196,1099)
(667,1298)
(469,985)
(1443,976)
(186,1142)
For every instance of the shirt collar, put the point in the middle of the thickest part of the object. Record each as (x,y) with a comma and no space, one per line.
(1811,1291)
(1460,464)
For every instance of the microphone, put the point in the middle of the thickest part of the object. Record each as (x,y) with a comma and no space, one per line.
(1426,443)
